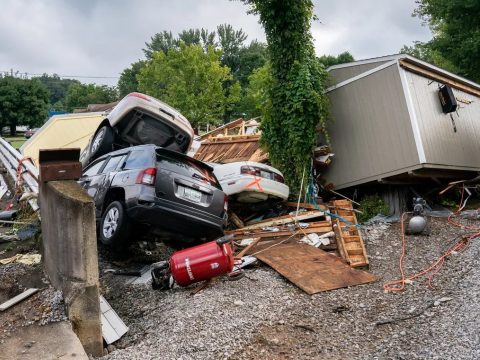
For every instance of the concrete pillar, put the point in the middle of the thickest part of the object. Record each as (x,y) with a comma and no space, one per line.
(70,256)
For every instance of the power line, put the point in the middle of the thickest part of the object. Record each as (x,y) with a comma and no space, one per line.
(16,73)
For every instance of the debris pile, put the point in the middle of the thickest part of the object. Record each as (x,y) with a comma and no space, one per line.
(316,246)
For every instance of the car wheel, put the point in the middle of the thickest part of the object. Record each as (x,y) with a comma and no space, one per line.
(114,226)
(102,142)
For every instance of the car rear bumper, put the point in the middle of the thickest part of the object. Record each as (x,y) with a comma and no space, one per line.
(177,218)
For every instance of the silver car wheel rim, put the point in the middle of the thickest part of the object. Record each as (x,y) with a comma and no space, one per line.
(110,223)
(98,139)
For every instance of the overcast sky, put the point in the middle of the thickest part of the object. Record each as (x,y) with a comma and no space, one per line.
(102,37)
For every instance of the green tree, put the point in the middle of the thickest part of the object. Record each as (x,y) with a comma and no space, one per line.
(22,102)
(192,81)
(128,79)
(57,87)
(330,60)
(163,41)
(201,37)
(296,97)
(455,25)
(250,57)
(230,41)
(255,95)
(425,52)
(81,95)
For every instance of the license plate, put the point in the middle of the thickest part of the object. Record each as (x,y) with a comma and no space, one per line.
(192,194)
(265,174)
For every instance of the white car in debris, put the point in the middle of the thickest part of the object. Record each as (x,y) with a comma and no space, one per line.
(139,119)
(251,182)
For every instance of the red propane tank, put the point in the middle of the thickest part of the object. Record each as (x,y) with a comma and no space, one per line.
(202,262)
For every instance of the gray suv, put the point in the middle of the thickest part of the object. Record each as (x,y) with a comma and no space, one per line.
(165,191)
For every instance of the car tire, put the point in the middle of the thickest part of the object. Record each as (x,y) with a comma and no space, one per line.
(115,226)
(102,142)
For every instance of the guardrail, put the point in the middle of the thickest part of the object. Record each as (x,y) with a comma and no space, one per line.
(20,169)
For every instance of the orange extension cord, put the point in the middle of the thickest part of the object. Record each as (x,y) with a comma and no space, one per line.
(434,268)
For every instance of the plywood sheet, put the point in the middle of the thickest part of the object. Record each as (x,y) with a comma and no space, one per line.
(311,269)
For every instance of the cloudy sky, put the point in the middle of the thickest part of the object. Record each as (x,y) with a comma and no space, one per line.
(102,37)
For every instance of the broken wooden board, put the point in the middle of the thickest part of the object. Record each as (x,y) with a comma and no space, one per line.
(226,150)
(15,300)
(311,269)
(285,219)
(288,227)
(307,206)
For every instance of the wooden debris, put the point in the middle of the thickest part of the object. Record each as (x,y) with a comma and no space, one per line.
(15,300)
(349,240)
(235,220)
(230,149)
(202,286)
(271,234)
(286,219)
(307,206)
(248,247)
(27,259)
(311,269)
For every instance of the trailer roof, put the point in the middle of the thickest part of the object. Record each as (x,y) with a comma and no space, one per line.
(422,68)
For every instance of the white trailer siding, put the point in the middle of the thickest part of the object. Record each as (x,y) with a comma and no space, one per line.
(387,121)
(371,131)
(340,74)
(443,146)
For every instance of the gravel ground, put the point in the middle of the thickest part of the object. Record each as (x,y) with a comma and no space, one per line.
(42,308)
(264,316)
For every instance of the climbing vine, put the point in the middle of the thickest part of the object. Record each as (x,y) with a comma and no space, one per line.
(297,103)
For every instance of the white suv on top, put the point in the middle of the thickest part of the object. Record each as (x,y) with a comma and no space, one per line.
(139,119)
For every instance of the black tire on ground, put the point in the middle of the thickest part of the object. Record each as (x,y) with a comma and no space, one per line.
(102,143)
(115,226)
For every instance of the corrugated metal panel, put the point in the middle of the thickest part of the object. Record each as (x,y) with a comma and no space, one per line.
(342,74)
(371,132)
(442,144)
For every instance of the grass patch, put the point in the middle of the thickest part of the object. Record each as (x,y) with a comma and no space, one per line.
(16,141)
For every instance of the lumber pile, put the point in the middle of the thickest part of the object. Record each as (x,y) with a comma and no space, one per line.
(238,140)
(318,247)
(341,239)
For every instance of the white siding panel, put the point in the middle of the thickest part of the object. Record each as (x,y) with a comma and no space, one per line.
(444,146)
(371,132)
(342,74)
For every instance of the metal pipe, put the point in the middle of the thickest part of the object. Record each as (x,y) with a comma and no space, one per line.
(28,165)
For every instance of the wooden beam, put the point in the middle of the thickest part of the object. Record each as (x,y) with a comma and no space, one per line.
(307,206)
(248,247)
(286,219)
(252,232)
(438,77)
(15,300)
(272,234)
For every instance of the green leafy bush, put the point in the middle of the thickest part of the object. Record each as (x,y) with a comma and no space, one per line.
(370,206)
